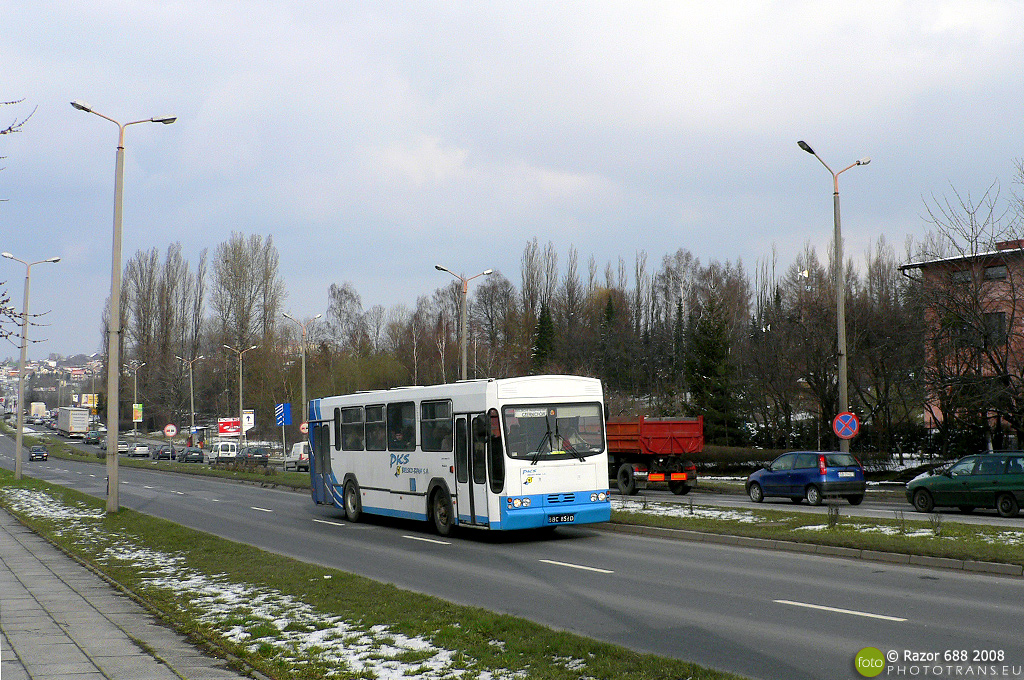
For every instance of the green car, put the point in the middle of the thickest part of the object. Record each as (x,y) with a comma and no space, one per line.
(992,480)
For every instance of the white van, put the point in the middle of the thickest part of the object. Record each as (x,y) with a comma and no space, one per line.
(223,452)
(298,458)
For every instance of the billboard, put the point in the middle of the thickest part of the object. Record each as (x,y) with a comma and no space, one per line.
(227,427)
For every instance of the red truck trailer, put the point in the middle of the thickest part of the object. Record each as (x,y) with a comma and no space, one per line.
(642,450)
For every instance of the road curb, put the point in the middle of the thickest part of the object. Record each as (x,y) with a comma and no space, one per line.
(972,566)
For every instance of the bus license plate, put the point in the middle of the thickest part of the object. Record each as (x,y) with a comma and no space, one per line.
(561,519)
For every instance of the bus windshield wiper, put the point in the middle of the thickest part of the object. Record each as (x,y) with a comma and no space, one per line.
(539,450)
(566,444)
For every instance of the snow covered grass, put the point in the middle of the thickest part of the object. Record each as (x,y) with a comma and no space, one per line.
(931,536)
(294,620)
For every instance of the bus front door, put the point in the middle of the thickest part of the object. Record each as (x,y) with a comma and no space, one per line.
(471,469)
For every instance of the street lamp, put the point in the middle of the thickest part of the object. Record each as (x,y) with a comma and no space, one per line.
(114,329)
(21,367)
(462,316)
(837,268)
(134,368)
(240,353)
(303,326)
(191,391)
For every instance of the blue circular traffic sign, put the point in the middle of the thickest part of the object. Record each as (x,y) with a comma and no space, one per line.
(846,425)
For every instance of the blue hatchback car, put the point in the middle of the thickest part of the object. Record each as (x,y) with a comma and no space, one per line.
(813,475)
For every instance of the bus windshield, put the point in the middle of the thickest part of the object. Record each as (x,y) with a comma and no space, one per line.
(553,431)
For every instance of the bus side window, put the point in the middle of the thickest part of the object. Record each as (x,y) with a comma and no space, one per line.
(352,428)
(376,432)
(436,425)
(337,429)
(402,426)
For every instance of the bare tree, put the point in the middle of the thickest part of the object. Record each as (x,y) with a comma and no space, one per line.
(247,289)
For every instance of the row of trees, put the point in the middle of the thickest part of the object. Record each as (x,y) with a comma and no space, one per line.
(754,353)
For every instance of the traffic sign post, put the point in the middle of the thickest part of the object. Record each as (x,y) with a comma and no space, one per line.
(846,425)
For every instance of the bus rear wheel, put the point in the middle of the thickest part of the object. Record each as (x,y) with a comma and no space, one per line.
(353,506)
(441,510)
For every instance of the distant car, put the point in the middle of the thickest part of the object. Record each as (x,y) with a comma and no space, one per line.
(813,475)
(91,437)
(258,455)
(981,481)
(136,450)
(38,452)
(165,452)
(192,454)
(298,458)
(122,446)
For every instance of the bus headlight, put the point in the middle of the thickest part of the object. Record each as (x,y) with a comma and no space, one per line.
(600,496)
(517,503)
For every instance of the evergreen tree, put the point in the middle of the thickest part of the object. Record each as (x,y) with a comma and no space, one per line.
(544,339)
(710,374)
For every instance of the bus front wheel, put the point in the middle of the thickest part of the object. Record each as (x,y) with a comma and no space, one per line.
(441,509)
(353,506)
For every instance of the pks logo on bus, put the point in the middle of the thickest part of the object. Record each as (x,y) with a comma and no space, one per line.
(398,460)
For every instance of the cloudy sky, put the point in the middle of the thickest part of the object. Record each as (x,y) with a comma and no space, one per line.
(374,140)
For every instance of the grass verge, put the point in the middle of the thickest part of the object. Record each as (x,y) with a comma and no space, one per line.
(289,619)
(934,536)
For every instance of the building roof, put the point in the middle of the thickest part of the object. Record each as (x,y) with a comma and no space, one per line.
(1002,248)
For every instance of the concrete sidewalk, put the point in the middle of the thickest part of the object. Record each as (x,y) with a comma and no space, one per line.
(59,621)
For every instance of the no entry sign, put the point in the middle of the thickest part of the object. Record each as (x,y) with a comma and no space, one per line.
(846,425)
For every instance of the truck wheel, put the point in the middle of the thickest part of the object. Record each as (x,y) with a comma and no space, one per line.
(679,488)
(626,480)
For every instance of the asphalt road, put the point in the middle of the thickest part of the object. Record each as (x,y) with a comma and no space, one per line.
(761,614)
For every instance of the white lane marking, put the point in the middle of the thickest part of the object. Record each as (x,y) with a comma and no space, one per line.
(253,507)
(836,610)
(427,540)
(324,521)
(180,493)
(577,566)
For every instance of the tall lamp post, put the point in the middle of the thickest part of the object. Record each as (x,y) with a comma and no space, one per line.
(303,326)
(134,367)
(114,328)
(21,366)
(191,392)
(462,315)
(240,352)
(837,269)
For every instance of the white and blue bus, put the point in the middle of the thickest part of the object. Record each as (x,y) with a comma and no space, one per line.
(510,453)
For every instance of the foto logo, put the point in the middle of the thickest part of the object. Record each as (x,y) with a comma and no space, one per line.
(869,662)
